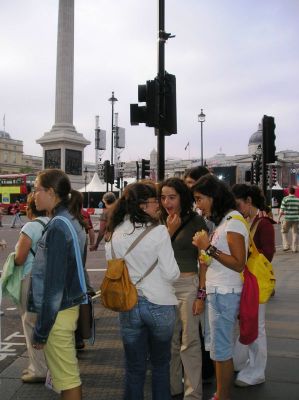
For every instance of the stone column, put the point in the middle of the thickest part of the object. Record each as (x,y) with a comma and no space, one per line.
(65,66)
(63,146)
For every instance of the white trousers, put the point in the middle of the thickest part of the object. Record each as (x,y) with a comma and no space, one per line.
(186,356)
(37,363)
(251,360)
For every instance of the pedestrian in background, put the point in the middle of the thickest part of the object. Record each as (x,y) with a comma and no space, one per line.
(15,210)
(290,210)
(147,329)
(25,251)
(56,292)
(227,248)
(193,174)
(251,360)
(182,224)
(108,200)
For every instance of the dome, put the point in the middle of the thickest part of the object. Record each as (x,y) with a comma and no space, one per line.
(4,135)
(255,140)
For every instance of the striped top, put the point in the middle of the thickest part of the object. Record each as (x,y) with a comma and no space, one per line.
(290,207)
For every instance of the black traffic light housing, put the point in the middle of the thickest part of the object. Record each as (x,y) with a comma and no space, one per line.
(108,172)
(269,140)
(145,168)
(169,120)
(149,113)
(117,183)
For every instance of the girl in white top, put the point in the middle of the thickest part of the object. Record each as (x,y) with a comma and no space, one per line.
(148,327)
(227,249)
(25,250)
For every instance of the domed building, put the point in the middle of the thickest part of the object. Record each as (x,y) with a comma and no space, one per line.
(255,140)
(4,135)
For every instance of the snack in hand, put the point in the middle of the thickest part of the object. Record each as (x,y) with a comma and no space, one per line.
(205,258)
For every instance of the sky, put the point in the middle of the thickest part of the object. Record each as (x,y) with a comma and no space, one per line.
(236,60)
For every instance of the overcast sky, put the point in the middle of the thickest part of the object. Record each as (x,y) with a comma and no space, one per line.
(236,59)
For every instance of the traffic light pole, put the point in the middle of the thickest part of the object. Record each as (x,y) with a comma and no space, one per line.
(161,76)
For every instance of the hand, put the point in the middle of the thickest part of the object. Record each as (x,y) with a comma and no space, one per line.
(173,223)
(93,247)
(201,240)
(198,307)
(38,346)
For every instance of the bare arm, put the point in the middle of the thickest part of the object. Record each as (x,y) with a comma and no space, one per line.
(22,249)
(91,235)
(100,236)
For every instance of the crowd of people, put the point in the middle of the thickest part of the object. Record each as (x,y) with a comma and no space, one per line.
(190,299)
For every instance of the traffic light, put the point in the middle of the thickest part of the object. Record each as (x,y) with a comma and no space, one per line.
(274,176)
(108,172)
(269,140)
(149,113)
(145,168)
(169,123)
(257,170)
(248,176)
(117,183)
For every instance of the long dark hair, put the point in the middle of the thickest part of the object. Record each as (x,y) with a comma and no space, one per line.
(186,200)
(196,172)
(129,206)
(60,183)
(223,198)
(243,191)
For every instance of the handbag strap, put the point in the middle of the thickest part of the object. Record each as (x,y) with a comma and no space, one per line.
(136,241)
(77,253)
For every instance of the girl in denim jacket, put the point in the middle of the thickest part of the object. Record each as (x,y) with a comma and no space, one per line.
(56,293)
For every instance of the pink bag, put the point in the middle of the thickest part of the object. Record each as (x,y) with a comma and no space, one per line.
(249,307)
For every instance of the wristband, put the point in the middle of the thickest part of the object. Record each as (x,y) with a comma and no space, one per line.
(201,294)
(212,251)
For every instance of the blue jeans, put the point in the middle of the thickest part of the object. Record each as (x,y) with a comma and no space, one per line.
(147,330)
(220,320)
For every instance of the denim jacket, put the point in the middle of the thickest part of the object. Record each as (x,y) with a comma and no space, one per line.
(55,284)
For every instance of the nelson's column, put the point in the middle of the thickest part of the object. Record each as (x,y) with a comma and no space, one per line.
(63,146)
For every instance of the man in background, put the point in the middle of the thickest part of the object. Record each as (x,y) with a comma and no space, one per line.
(290,210)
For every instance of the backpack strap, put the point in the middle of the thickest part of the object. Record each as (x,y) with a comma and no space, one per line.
(43,224)
(136,241)
(251,241)
(253,230)
(77,253)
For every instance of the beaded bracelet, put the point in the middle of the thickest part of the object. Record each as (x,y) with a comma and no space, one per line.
(201,294)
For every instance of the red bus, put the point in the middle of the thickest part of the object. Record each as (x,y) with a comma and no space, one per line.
(15,187)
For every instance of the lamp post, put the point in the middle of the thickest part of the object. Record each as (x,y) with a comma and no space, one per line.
(113,100)
(201,119)
(85,181)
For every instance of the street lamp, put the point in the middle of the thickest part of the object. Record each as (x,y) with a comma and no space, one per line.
(113,100)
(201,119)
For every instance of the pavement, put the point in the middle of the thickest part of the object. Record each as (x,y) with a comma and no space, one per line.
(102,364)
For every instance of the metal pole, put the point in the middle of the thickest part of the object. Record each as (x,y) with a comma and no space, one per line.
(112,99)
(161,76)
(201,138)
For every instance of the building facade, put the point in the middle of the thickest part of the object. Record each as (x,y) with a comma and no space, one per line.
(12,158)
